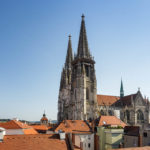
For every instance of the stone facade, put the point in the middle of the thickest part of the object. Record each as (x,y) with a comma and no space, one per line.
(78,87)
(78,99)
(132,109)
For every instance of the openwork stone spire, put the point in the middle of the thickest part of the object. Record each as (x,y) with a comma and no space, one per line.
(69,56)
(83,51)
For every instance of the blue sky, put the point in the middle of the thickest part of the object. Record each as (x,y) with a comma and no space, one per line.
(33,44)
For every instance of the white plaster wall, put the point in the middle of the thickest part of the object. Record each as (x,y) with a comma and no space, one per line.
(14,131)
(87,140)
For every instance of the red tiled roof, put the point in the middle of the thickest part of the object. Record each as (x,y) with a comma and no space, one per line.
(13,124)
(40,127)
(30,131)
(33,142)
(74,126)
(106,99)
(110,120)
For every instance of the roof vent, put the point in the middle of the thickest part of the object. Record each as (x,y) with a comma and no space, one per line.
(2,133)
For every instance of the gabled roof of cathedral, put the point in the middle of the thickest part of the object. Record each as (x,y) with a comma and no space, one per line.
(73,126)
(111,120)
(106,100)
(83,50)
(126,100)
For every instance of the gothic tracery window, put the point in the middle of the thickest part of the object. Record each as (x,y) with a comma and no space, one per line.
(140,116)
(127,115)
(110,112)
(87,93)
(87,71)
(102,112)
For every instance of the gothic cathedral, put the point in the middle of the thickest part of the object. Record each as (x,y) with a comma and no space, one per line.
(78,86)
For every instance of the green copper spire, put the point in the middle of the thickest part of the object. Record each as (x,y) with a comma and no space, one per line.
(121,90)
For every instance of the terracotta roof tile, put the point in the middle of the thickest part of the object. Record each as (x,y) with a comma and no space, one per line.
(30,131)
(110,120)
(40,127)
(106,99)
(33,142)
(13,124)
(73,126)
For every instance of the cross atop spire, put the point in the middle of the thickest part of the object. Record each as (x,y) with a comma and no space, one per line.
(69,56)
(121,90)
(83,51)
(82,16)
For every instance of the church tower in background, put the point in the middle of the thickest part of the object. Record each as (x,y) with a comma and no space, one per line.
(78,87)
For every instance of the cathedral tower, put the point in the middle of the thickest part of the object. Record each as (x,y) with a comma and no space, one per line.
(78,87)
(84,86)
(65,85)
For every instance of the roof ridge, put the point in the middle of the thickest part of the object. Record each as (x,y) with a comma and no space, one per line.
(15,122)
(129,95)
(107,95)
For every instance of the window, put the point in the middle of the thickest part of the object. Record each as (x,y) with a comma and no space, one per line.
(87,71)
(140,116)
(145,134)
(110,112)
(128,115)
(87,93)
(102,112)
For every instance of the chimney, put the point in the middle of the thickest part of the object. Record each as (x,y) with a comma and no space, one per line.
(62,135)
(2,133)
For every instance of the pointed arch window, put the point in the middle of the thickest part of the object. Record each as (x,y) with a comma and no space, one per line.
(102,112)
(140,116)
(87,71)
(128,115)
(110,112)
(87,93)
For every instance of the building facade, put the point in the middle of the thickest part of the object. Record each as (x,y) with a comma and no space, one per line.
(78,86)
(78,99)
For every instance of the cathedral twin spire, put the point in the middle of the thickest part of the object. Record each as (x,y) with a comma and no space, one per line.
(83,51)
(69,56)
